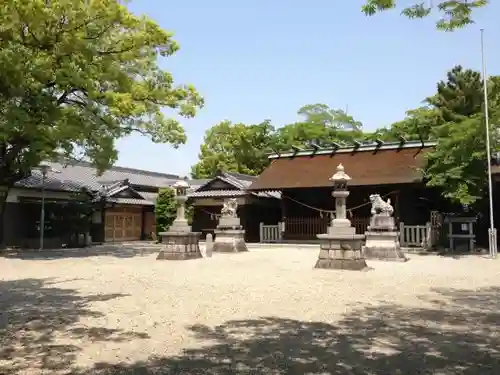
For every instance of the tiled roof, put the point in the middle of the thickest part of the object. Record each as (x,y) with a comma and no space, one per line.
(217,193)
(365,167)
(132,201)
(51,183)
(196,184)
(239,181)
(84,175)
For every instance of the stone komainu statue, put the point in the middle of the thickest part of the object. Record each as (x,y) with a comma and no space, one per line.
(379,206)
(229,208)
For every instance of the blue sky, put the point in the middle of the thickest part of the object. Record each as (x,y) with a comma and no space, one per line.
(256,60)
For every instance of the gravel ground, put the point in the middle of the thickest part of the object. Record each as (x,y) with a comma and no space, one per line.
(262,312)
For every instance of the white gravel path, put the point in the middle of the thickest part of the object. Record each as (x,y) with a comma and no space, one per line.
(71,313)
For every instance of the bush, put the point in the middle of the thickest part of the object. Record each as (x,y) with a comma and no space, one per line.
(165,209)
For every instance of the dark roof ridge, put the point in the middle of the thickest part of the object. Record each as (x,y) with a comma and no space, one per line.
(241,175)
(387,146)
(118,168)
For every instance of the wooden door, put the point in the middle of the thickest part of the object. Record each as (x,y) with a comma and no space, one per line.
(123,224)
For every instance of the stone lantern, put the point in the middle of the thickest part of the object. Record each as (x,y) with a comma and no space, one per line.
(180,224)
(340,247)
(340,193)
(179,242)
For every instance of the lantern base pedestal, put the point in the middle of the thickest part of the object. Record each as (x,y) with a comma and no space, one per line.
(180,246)
(341,251)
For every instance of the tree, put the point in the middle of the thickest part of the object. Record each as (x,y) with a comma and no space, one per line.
(322,114)
(458,165)
(455,14)
(303,133)
(460,96)
(321,125)
(165,209)
(418,125)
(234,148)
(244,148)
(454,117)
(78,74)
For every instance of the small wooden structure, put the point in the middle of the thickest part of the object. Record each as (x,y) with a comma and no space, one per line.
(461,233)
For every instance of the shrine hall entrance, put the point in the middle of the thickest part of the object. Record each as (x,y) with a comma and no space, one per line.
(123,224)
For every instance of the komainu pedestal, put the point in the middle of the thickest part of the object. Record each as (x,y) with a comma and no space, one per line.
(229,235)
(340,247)
(382,238)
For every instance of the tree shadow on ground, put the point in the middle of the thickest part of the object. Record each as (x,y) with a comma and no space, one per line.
(34,313)
(457,336)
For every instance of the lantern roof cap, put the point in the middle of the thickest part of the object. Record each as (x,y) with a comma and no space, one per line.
(181,184)
(340,175)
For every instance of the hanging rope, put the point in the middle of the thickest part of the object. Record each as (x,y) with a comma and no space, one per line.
(332,212)
(213,216)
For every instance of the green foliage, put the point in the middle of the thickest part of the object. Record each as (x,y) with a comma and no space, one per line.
(322,114)
(165,209)
(234,148)
(458,165)
(460,96)
(75,76)
(244,148)
(302,133)
(417,125)
(455,14)
(454,116)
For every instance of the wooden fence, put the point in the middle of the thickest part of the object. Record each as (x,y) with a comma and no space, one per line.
(415,235)
(303,228)
(307,229)
(271,233)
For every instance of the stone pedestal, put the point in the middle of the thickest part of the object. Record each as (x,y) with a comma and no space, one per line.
(382,240)
(341,251)
(180,246)
(341,247)
(229,236)
(229,241)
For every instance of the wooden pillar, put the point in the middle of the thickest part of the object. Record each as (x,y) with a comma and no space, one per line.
(396,206)
(283,214)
